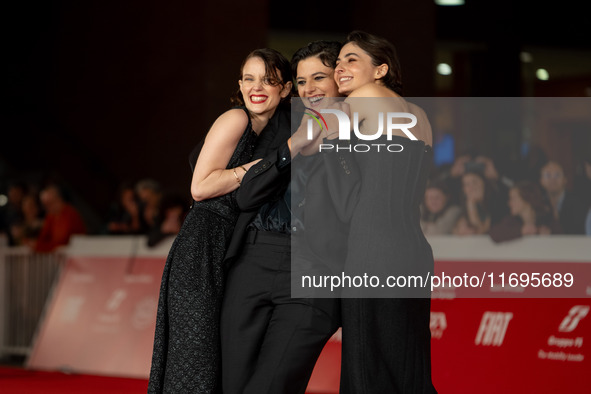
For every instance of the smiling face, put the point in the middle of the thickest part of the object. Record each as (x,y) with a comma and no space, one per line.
(315,81)
(260,94)
(355,68)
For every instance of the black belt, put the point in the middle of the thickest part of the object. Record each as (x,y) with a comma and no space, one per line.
(254,236)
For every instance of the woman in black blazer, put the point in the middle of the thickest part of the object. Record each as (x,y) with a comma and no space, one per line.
(272,337)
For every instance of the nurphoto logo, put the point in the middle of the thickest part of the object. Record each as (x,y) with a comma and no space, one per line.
(345,129)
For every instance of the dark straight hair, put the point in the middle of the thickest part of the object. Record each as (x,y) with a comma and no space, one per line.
(274,62)
(381,52)
(326,51)
(533,194)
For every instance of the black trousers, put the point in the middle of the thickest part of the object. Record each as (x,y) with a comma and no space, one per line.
(270,341)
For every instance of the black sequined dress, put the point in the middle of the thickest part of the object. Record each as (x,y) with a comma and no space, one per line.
(186,357)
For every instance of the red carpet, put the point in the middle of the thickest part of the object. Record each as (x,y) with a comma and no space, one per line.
(22,381)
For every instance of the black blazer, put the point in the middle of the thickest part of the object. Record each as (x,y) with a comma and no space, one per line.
(324,194)
(264,182)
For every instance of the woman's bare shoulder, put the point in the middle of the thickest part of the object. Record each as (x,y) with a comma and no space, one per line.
(372,90)
(235,116)
(228,127)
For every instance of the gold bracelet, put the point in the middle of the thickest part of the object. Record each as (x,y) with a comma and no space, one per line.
(236,175)
(245,170)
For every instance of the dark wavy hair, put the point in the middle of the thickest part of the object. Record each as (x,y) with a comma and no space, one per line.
(532,194)
(485,207)
(381,52)
(326,51)
(274,62)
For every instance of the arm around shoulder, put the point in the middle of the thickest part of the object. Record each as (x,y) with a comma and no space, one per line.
(265,179)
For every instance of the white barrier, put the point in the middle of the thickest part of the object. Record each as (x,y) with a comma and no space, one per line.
(26,280)
(571,248)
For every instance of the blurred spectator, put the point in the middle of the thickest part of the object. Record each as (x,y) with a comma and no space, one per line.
(568,209)
(125,212)
(476,215)
(501,182)
(461,164)
(438,215)
(583,180)
(61,221)
(530,214)
(173,211)
(11,213)
(584,188)
(498,185)
(29,228)
(149,193)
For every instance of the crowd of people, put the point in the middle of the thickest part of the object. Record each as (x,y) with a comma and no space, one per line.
(144,208)
(40,219)
(44,218)
(470,197)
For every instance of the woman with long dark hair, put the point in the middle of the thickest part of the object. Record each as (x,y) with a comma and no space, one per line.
(476,216)
(531,214)
(386,337)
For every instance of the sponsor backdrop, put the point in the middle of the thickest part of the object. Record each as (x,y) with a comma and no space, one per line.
(102,317)
(510,345)
(100,320)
